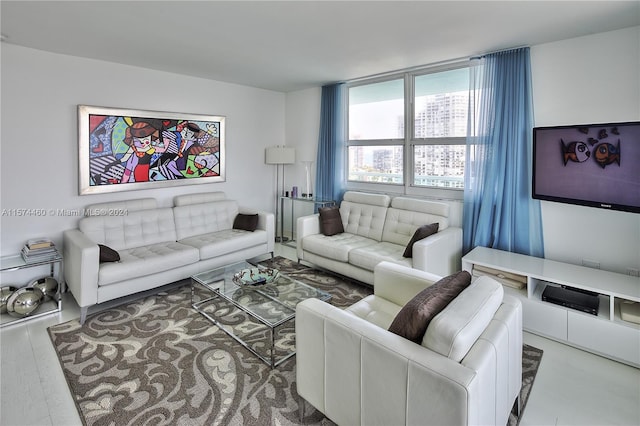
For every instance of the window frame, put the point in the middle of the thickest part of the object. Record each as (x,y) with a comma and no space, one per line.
(409,142)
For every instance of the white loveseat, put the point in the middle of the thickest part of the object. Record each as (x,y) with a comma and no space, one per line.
(467,371)
(378,228)
(157,245)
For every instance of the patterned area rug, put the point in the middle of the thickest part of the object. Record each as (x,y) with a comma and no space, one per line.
(156,361)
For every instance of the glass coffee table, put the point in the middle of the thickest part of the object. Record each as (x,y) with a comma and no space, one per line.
(260,317)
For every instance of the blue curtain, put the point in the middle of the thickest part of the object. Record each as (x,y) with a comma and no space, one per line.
(330,166)
(498,209)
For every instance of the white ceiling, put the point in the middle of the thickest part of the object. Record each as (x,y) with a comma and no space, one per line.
(292,45)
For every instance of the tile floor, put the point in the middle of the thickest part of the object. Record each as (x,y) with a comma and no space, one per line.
(572,387)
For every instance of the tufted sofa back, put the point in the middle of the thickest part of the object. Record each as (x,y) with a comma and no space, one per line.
(120,208)
(364,214)
(205,197)
(199,219)
(407,214)
(134,229)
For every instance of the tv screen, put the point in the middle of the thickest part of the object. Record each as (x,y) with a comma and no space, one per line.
(596,165)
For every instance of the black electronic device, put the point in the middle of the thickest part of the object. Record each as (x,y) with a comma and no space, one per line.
(571,299)
(593,165)
(580,290)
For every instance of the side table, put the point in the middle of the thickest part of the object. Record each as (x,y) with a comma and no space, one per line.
(16,262)
(317,202)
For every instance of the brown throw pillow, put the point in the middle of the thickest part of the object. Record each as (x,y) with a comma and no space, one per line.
(414,317)
(247,222)
(330,221)
(422,232)
(107,254)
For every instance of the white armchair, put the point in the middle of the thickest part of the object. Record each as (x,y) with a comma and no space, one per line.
(468,370)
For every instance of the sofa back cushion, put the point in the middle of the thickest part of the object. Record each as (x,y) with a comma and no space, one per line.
(414,317)
(380,200)
(457,327)
(135,229)
(205,197)
(364,214)
(407,214)
(363,219)
(199,219)
(120,208)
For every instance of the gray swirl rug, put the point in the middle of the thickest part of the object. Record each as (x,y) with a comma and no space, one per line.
(155,361)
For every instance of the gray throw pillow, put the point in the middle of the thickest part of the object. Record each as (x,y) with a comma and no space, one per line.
(422,232)
(107,254)
(330,221)
(414,317)
(247,222)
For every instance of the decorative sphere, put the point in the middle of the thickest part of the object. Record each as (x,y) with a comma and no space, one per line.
(24,301)
(47,285)
(5,292)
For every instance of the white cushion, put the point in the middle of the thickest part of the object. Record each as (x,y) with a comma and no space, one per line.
(381,200)
(423,206)
(335,247)
(457,327)
(224,242)
(369,256)
(401,224)
(136,229)
(147,260)
(363,219)
(399,283)
(376,310)
(187,199)
(198,219)
(120,207)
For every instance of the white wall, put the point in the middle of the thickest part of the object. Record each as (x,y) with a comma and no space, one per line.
(592,79)
(302,127)
(39,142)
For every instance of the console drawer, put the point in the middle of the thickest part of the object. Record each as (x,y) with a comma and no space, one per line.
(604,337)
(544,318)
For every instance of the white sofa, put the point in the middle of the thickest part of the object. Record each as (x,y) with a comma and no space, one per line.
(378,228)
(467,371)
(157,245)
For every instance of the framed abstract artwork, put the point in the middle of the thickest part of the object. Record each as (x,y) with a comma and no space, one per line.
(123,149)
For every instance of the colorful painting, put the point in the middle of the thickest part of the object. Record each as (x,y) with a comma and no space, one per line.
(128,149)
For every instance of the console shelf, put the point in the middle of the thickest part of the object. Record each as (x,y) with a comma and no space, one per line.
(606,334)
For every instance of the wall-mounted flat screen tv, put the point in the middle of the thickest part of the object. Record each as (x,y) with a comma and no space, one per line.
(596,165)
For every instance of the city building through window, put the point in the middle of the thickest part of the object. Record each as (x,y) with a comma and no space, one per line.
(410,129)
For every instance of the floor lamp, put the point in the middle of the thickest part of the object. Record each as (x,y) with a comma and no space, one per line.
(279,155)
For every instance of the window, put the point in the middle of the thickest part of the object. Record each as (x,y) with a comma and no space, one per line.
(377,164)
(414,122)
(376,132)
(440,106)
(376,111)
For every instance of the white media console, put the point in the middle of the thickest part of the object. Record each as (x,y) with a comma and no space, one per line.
(606,334)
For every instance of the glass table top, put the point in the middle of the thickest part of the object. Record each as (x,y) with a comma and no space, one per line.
(16,261)
(272,303)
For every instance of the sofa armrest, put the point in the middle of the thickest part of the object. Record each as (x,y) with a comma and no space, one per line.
(266,222)
(398,283)
(440,253)
(81,264)
(306,225)
(358,373)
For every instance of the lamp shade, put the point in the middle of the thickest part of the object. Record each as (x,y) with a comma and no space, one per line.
(280,155)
